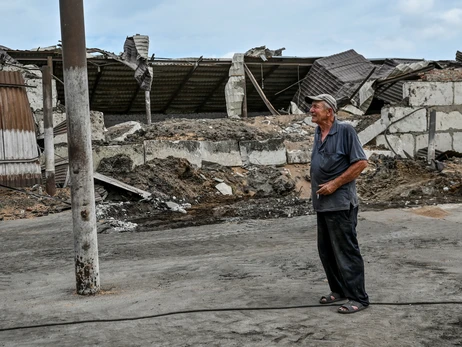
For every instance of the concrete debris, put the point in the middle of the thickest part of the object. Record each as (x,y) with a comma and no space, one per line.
(235,87)
(224,189)
(115,226)
(173,206)
(264,53)
(112,181)
(119,132)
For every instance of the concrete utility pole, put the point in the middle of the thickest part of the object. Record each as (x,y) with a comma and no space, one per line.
(431,138)
(50,185)
(79,141)
(147,97)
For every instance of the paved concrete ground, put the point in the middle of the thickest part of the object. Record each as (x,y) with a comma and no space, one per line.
(410,256)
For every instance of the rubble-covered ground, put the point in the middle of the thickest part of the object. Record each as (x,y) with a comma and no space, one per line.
(183,194)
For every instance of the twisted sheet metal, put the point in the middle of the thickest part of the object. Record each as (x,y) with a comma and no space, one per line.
(19,158)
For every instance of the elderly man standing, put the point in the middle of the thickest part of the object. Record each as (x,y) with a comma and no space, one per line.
(337,160)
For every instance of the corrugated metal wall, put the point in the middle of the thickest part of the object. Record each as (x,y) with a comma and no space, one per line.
(19,159)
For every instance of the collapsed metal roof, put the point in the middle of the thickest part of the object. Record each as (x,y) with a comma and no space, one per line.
(179,86)
(197,85)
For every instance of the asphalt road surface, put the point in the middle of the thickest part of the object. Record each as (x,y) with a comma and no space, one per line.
(412,257)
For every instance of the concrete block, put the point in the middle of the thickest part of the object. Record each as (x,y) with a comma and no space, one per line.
(225,153)
(408,119)
(429,93)
(134,151)
(298,152)
(457,93)
(269,152)
(450,120)
(443,141)
(372,131)
(189,150)
(457,141)
(234,89)
(298,156)
(399,143)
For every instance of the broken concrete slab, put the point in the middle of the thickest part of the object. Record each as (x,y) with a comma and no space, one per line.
(372,131)
(268,152)
(298,152)
(410,119)
(298,157)
(117,183)
(134,151)
(400,144)
(190,150)
(352,110)
(225,153)
(119,132)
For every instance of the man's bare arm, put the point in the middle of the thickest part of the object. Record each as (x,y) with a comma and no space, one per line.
(349,175)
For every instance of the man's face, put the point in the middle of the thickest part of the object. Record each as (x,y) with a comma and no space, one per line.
(320,114)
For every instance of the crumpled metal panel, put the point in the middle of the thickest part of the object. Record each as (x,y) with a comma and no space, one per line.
(393,93)
(339,75)
(459,56)
(19,159)
(136,56)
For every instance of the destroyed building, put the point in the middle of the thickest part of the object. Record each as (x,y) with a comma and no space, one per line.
(390,101)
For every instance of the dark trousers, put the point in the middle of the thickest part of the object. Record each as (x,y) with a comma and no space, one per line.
(340,255)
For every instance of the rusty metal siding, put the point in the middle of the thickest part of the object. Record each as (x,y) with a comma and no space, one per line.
(19,159)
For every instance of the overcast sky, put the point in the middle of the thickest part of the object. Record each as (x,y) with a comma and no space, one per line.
(429,29)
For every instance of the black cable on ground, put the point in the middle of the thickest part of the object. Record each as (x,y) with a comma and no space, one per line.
(417,303)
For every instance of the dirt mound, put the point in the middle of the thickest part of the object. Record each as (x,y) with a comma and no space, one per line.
(289,127)
(176,178)
(32,202)
(257,192)
(404,182)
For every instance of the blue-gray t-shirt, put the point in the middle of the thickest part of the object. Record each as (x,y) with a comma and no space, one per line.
(329,159)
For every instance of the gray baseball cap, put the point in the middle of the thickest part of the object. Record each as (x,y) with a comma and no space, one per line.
(323,97)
